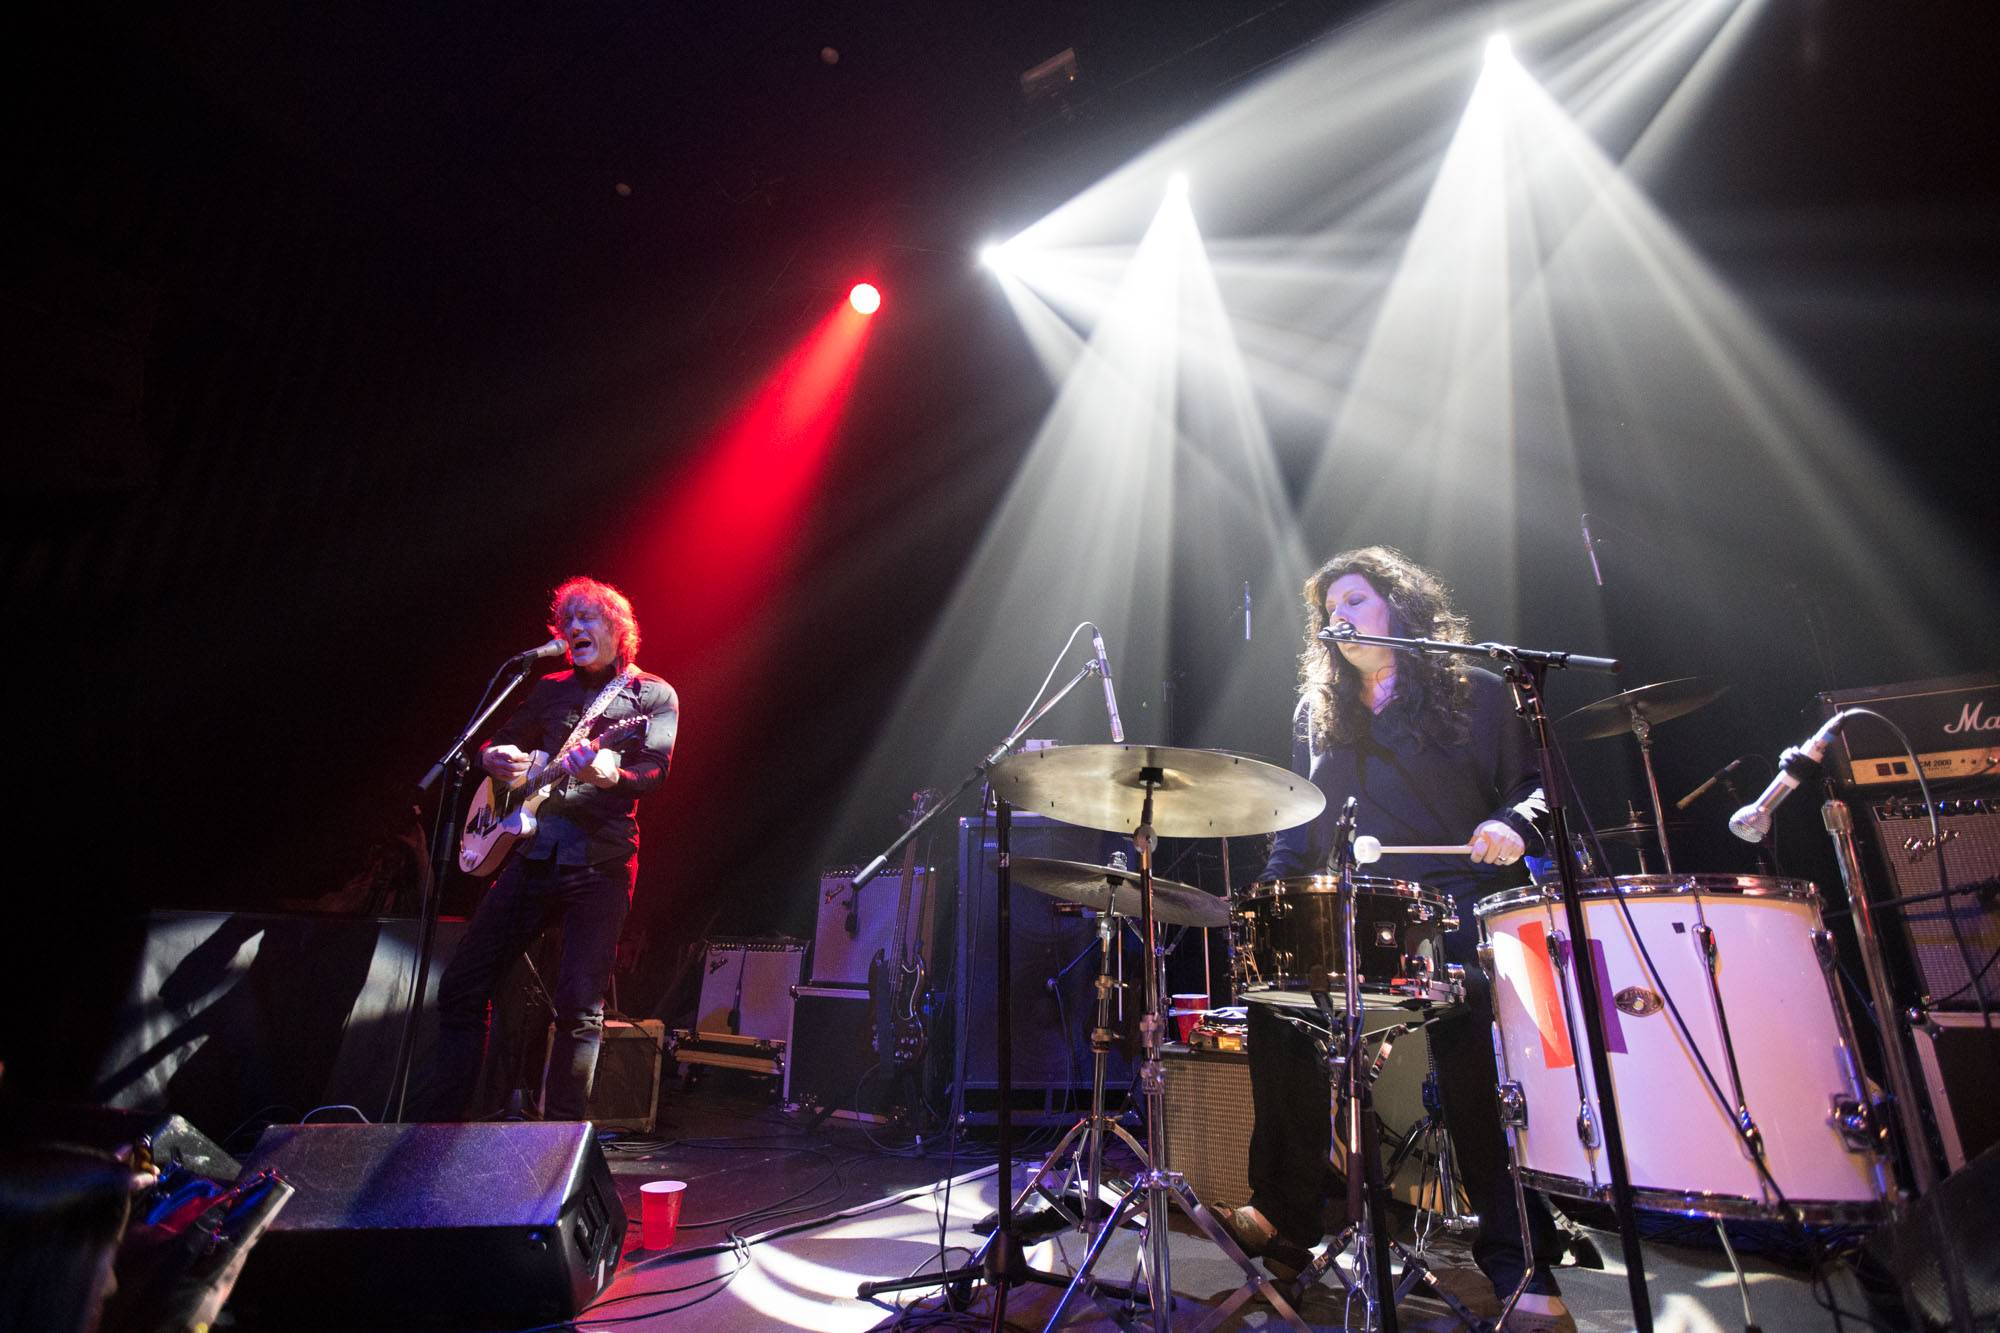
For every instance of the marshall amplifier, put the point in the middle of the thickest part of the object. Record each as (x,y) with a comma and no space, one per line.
(1953,724)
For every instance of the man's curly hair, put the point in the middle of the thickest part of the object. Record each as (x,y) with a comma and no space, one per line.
(1430,691)
(613,605)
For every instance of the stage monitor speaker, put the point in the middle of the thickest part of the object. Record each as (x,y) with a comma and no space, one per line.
(1943,1229)
(1054,1002)
(1934,929)
(407,1226)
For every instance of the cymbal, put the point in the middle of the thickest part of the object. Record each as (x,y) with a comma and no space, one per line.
(1197,793)
(1651,704)
(1638,832)
(1109,889)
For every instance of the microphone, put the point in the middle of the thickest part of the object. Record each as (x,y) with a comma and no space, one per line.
(1337,632)
(1110,699)
(1719,775)
(553,648)
(1591,547)
(1753,822)
(1246,610)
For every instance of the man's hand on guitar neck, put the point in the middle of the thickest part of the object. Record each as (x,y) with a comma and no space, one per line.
(509,764)
(597,767)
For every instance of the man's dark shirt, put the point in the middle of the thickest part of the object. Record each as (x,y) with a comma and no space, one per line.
(581,824)
(1413,792)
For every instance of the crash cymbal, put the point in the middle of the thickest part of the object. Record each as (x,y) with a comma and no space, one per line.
(1110,889)
(1197,793)
(1651,704)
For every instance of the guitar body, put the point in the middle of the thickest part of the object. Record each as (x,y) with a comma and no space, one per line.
(496,821)
(502,816)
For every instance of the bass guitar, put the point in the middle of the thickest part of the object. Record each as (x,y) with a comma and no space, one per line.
(501,816)
(896,985)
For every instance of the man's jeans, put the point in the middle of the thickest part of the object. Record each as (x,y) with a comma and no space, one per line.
(590,904)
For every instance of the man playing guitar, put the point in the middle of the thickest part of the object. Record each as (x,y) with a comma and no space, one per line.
(578,865)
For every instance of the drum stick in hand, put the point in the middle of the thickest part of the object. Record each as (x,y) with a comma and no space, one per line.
(1369,850)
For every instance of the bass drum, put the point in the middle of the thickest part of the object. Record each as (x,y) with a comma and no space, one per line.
(1293,941)
(1787,1028)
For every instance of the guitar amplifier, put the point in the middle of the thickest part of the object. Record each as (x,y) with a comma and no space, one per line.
(1953,724)
(854,927)
(625,1094)
(746,986)
(1940,934)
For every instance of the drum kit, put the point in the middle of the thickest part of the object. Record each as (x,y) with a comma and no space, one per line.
(1727,1040)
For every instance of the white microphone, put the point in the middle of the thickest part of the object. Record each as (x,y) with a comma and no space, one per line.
(1591,547)
(1753,822)
(553,648)
(1110,699)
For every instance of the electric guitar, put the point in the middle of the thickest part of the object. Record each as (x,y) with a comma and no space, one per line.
(896,985)
(501,816)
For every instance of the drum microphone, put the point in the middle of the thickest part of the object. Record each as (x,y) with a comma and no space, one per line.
(1720,775)
(553,648)
(1110,699)
(1753,822)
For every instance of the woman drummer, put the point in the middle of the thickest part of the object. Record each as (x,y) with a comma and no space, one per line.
(1434,754)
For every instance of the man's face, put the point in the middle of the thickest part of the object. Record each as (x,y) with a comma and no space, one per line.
(588,633)
(1352,599)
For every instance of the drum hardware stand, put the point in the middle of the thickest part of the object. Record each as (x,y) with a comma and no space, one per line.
(1890,1026)
(1527,670)
(1153,1187)
(1086,1168)
(1429,1141)
(1643,730)
(1001,1262)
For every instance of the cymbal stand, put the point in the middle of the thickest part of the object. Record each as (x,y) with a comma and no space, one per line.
(1001,1262)
(1643,731)
(1154,1188)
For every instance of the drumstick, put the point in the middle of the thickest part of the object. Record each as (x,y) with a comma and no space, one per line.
(1368,850)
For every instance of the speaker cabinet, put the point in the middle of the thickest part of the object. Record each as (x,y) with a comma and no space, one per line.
(746,986)
(1961,1066)
(404,1226)
(1052,1008)
(1209,1119)
(832,1065)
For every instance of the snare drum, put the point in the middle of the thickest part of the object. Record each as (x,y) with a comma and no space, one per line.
(1793,1049)
(1293,941)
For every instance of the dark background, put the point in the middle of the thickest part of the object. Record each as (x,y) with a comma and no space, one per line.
(332,346)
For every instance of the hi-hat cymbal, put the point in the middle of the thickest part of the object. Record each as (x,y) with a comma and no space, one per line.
(1638,832)
(1110,889)
(1651,704)
(1196,793)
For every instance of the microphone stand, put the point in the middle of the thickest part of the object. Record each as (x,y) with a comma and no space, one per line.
(1526,670)
(444,833)
(1002,1262)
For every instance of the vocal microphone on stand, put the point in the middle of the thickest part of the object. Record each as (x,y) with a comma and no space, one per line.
(1753,822)
(1110,698)
(553,648)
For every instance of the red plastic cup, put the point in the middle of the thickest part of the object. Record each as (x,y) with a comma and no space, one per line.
(1187,1011)
(660,1213)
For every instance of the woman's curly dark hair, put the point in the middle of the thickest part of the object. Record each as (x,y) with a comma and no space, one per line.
(1430,691)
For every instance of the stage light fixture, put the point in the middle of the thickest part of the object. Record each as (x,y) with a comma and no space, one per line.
(864,298)
(992,256)
(1177,185)
(1498,48)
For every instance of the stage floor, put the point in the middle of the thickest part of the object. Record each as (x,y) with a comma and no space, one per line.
(823,1208)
